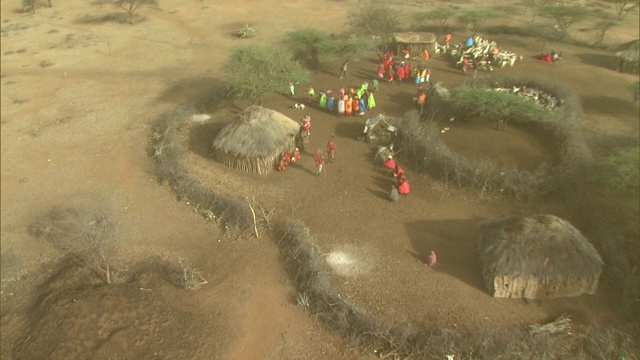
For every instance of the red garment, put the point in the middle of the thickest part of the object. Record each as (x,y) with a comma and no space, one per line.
(390,164)
(447,38)
(398,172)
(318,159)
(287,158)
(356,104)
(282,165)
(307,125)
(331,149)
(348,105)
(296,155)
(401,73)
(404,188)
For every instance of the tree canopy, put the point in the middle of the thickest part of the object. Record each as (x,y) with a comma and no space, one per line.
(313,46)
(477,18)
(565,16)
(254,71)
(376,17)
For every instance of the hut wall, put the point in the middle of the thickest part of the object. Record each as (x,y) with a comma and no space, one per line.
(415,49)
(257,165)
(542,288)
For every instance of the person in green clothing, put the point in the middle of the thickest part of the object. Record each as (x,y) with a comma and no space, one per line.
(323,100)
(311,93)
(292,89)
(371,101)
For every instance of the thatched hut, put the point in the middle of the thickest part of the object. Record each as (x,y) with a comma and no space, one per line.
(541,256)
(415,42)
(628,56)
(255,140)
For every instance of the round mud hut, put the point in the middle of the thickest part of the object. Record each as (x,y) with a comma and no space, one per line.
(255,140)
(537,257)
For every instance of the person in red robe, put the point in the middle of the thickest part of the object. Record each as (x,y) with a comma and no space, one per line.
(401,73)
(390,163)
(398,173)
(296,155)
(403,187)
(282,164)
(287,158)
(331,148)
(319,160)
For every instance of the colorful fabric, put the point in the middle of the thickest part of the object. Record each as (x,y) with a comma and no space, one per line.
(341,107)
(371,102)
(323,100)
(330,103)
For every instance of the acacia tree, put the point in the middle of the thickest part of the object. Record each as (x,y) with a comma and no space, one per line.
(129,6)
(376,17)
(477,18)
(535,5)
(601,29)
(254,71)
(31,5)
(624,7)
(565,16)
(313,46)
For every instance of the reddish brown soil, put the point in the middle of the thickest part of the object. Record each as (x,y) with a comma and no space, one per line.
(69,136)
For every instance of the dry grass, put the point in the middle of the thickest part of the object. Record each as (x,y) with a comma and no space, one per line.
(392,340)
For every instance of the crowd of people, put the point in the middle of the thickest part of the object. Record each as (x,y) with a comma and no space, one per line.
(401,185)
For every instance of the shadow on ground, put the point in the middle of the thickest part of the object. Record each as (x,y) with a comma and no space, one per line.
(454,242)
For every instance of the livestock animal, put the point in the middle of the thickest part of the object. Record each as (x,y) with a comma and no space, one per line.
(299,106)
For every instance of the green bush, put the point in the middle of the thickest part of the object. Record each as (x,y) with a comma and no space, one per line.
(247,32)
(623,171)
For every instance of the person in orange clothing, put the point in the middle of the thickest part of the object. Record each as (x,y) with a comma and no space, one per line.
(447,39)
(348,105)
(355,103)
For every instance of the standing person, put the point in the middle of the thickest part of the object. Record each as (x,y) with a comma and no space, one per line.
(331,148)
(341,92)
(296,155)
(282,164)
(418,75)
(381,71)
(355,103)
(390,75)
(348,105)
(447,39)
(465,65)
(407,71)
(401,73)
(331,103)
(311,93)
(319,160)
(422,100)
(428,75)
(394,195)
(343,69)
(323,100)
(423,75)
(403,186)
(341,106)
(371,101)
(363,105)
(390,163)
(292,89)
(306,123)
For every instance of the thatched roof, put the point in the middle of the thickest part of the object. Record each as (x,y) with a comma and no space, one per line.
(256,132)
(415,38)
(630,51)
(542,246)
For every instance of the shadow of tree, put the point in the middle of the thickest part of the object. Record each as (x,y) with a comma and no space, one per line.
(207,93)
(114,17)
(454,242)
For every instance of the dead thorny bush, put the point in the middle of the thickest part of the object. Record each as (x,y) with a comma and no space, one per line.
(234,214)
(404,340)
(85,235)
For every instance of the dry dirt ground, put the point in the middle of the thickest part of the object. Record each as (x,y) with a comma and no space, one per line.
(80,91)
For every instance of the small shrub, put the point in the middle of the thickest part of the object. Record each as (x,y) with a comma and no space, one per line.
(622,173)
(303,300)
(247,32)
